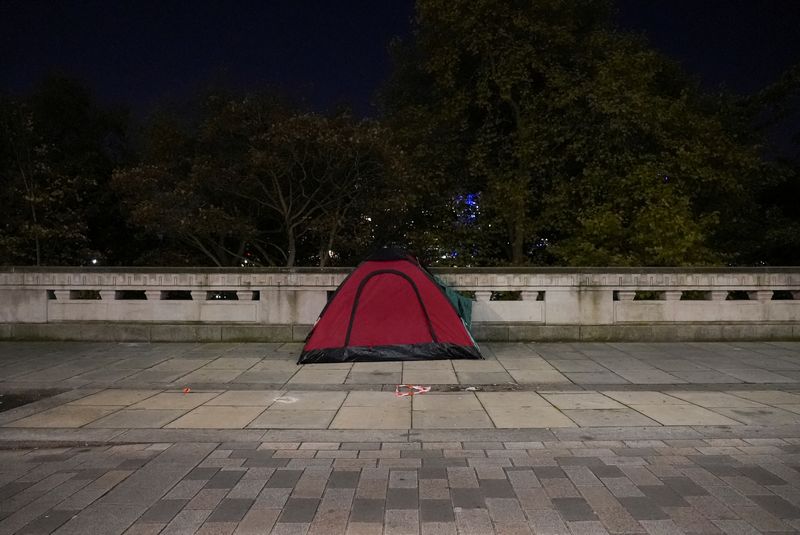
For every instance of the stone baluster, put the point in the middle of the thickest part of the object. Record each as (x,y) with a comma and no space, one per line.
(244,295)
(626,295)
(61,295)
(718,295)
(199,295)
(528,295)
(760,295)
(672,295)
(107,295)
(153,295)
(483,295)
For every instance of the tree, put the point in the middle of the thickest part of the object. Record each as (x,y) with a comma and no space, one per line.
(254,181)
(58,149)
(180,190)
(766,228)
(579,139)
(311,172)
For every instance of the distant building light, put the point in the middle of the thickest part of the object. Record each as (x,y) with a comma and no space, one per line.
(94,261)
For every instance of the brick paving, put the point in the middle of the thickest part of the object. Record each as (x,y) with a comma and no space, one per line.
(619,438)
(571,487)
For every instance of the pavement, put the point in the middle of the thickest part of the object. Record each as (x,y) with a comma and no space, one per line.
(577,438)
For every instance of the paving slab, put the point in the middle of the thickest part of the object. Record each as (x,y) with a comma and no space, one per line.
(768,397)
(275,377)
(478,366)
(644,398)
(576,365)
(233,363)
(175,400)
(791,408)
(464,419)
(246,398)
(217,417)
(297,400)
(596,378)
(512,400)
(750,375)
(293,419)
(209,375)
(382,400)
(582,400)
(714,399)
(653,376)
(765,416)
(706,377)
(307,376)
(684,415)
(528,376)
(484,378)
(373,378)
(138,418)
(115,397)
(530,363)
(64,416)
(538,417)
(377,367)
(429,377)
(184,365)
(622,417)
(446,402)
(372,418)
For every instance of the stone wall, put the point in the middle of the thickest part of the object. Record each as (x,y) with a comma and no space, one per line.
(510,304)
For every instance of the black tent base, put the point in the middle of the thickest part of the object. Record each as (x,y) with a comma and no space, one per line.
(431,351)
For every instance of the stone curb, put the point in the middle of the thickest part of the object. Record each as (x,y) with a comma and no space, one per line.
(12,436)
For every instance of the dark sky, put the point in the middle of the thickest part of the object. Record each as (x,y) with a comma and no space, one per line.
(331,52)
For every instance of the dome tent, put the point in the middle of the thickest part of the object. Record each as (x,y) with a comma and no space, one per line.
(389,308)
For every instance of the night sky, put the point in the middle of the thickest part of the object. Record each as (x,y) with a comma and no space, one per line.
(331,53)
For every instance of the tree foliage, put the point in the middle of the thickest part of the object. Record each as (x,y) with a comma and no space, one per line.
(256,182)
(577,136)
(513,133)
(57,152)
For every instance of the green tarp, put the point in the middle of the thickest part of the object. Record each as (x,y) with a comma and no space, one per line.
(463,304)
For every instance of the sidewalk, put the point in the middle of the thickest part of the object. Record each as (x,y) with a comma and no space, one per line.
(247,386)
(550,438)
(273,366)
(300,409)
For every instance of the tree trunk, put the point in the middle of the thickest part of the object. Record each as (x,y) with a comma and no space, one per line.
(38,252)
(292,246)
(324,253)
(520,205)
(36,236)
(518,243)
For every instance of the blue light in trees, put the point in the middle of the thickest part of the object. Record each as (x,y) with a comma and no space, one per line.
(467,207)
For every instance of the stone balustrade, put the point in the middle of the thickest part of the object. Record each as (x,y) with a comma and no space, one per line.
(510,303)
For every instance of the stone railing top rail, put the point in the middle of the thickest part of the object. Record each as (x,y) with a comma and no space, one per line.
(500,279)
(444,270)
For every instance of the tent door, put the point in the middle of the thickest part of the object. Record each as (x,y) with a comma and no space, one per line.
(387,302)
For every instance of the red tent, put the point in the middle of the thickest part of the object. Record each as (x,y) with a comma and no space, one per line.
(389,308)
